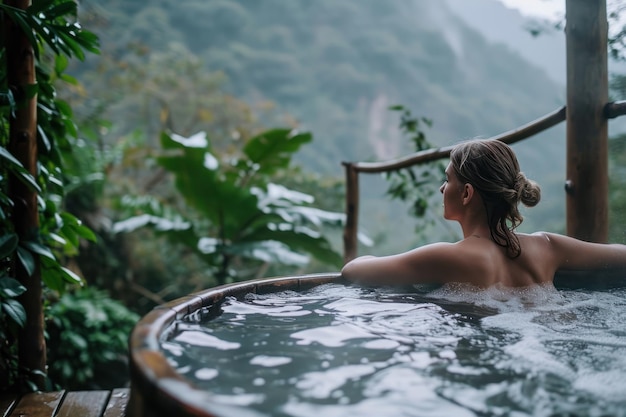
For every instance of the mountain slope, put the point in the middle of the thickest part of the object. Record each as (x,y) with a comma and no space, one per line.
(337,66)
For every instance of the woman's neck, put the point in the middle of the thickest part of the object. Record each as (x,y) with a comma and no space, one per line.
(476,226)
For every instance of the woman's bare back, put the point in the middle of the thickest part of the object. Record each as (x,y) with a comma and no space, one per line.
(535,264)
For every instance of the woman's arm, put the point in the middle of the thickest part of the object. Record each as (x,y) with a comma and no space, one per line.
(427,264)
(574,254)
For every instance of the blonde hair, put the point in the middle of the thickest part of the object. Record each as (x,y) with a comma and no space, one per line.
(491,167)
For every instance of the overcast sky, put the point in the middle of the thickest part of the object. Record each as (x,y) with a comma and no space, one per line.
(538,8)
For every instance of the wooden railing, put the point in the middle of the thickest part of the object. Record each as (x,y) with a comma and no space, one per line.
(353,169)
(615,109)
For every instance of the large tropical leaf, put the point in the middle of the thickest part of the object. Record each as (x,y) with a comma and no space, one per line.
(272,150)
(224,202)
(174,141)
(158,223)
(270,251)
(299,239)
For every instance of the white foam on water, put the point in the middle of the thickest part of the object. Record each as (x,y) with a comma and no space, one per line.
(241,309)
(196,338)
(331,336)
(270,361)
(349,307)
(206,374)
(322,384)
(381,344)
(499,298)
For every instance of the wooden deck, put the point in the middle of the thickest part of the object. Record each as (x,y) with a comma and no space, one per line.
(66,404)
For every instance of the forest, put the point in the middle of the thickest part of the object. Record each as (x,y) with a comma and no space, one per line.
(187,145)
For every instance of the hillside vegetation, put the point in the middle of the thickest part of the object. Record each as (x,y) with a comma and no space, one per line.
(334,68)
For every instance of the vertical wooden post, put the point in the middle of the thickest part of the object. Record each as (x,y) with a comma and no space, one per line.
(350,240)
(23,146)
(587,131)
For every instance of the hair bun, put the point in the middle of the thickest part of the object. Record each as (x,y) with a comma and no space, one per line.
(528,191)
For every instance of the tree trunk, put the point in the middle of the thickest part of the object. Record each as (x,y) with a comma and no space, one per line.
(23,146)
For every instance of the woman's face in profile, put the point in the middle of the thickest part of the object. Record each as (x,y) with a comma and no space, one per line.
(452,191)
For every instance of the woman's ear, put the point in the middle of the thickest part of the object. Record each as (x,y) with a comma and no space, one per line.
(468,193)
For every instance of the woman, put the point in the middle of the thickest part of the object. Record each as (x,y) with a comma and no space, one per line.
(482,190)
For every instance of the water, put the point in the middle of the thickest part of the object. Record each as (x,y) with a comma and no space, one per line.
(341,350)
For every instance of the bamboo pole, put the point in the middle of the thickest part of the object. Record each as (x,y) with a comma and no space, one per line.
(587,126)
(23,146)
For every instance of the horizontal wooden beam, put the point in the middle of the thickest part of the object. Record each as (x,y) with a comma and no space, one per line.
(512,136)
(615,109)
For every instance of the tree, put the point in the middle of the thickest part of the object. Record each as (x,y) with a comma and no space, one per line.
(35,138)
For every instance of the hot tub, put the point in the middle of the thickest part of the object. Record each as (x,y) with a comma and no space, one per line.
(158,389)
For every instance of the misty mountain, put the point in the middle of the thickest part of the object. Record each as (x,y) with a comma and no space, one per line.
(502,25)
(337,66)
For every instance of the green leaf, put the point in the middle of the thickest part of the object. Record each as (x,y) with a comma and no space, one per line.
(74,228)
(16,167)
(301,239)
(222,201)
(272,150)
(39,6)
(11,288)
(60,10)
(8,243)
(70,276)
(39,249)
(89,41)
(19,16)
(60,63)
(85,232)
(77,340)
(175,141)
(68,78)
(159,223)
(30,90)
(14,310)
(72,45)
(27,260)
(8,156)
(281,195)
(43,136)
(270,251)
(27,179)
(53,276)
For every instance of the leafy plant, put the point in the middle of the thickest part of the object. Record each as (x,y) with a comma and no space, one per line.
(12,315)
(416,184)
(241,215)
(55,36)
(87,345)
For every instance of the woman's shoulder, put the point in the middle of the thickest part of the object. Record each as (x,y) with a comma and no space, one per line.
(540,235)
(542,240)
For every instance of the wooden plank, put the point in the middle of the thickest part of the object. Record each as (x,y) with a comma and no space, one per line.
(38,404)
(83,404)
(117,403)
(7,402)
